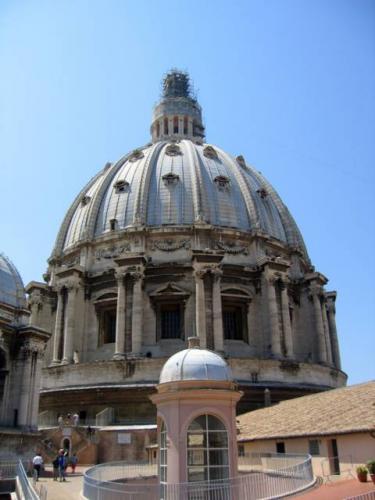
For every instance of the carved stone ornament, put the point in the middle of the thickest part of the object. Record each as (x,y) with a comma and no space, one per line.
(29,347)
(72,284)
(214,270)
(169,245)
(262,192)
(210,152)
(222,182)
(85,200)
(231,247)
(71,260)
(121,186)
(136,155)
(241,161)
(112,252)
(35,299)
(173,150)
(170,179)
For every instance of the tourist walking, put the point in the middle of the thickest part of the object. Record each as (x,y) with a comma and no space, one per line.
(62,466)
(55,465)
(37,466)
(60,421)
(73,462)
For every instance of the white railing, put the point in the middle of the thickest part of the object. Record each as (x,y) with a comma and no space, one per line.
(370,495)
(260,476)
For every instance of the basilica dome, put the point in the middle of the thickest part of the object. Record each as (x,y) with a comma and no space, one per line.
(12,292)
(179,183)
(181,239)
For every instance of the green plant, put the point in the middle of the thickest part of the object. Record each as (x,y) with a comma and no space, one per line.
(361,469)
(371,466)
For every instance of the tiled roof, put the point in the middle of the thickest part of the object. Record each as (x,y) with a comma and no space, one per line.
(338,411)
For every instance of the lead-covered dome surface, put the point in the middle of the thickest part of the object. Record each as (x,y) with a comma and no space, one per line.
(195,364)
(177,183)
(12,292)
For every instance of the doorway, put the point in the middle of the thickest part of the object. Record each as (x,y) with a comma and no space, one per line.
(333,457)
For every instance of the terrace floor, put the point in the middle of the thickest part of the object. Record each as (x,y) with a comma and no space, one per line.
(337,490)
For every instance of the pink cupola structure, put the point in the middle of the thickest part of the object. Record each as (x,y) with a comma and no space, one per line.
(196,412)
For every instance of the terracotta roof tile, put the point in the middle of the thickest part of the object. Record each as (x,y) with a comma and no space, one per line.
(338,411)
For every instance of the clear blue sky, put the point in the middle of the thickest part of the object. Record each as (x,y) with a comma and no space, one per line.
(290,84)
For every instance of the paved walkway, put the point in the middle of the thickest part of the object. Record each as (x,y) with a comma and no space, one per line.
(68,490)
(337,490)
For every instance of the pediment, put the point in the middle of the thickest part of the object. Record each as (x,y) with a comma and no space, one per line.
(169,289)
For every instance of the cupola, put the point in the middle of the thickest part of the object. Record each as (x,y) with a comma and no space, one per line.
(178,115)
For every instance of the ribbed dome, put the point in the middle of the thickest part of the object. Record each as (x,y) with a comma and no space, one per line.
(195,364)
(177,183)
(12,291)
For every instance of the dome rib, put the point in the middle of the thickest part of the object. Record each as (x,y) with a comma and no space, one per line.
(61,236)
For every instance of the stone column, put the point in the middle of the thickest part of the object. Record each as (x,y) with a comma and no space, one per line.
(69,330)
(180,125)
(333,332)
(217,311)
(31,354)
(200,308)
(316,292)
(170,127)
(137,313)
(58,326)
(274,317)
(35,302)
(190,127)
(120,315)
(288,335)
(326,333)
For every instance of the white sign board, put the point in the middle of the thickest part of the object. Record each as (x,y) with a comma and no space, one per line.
(124,438)
(67,431)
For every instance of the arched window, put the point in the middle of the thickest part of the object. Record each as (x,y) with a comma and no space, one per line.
(157,129)
(207,449)
(185,125)
(165,126)
(163,459)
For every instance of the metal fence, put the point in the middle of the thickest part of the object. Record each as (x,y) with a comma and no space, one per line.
(260,476)
(15,470)
(370,495)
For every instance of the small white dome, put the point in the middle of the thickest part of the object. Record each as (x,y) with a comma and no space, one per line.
(195,364)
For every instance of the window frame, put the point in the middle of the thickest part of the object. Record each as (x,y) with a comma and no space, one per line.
(208,450)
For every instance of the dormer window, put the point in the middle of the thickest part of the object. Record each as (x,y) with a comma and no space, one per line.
(262,192)
(121,186)
(210,152)
(136,155)
(222,182)
(113,224)
(85,200)
(173,150)
(170,179)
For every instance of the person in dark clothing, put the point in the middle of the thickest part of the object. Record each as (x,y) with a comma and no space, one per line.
(55,465)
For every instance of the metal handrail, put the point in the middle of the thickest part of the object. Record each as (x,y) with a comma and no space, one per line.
(280,475)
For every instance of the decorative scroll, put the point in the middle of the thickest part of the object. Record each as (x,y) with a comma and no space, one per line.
(231,247)
(85,200)
(210,152)
(71,260)
(169,245)
(173,150)
(112,252)
(136,155)
(121,186)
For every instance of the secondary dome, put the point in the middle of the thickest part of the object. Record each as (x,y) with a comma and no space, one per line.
(12,291)
(195,364)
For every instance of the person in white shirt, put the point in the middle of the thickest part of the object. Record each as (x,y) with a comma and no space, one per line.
(37,465)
